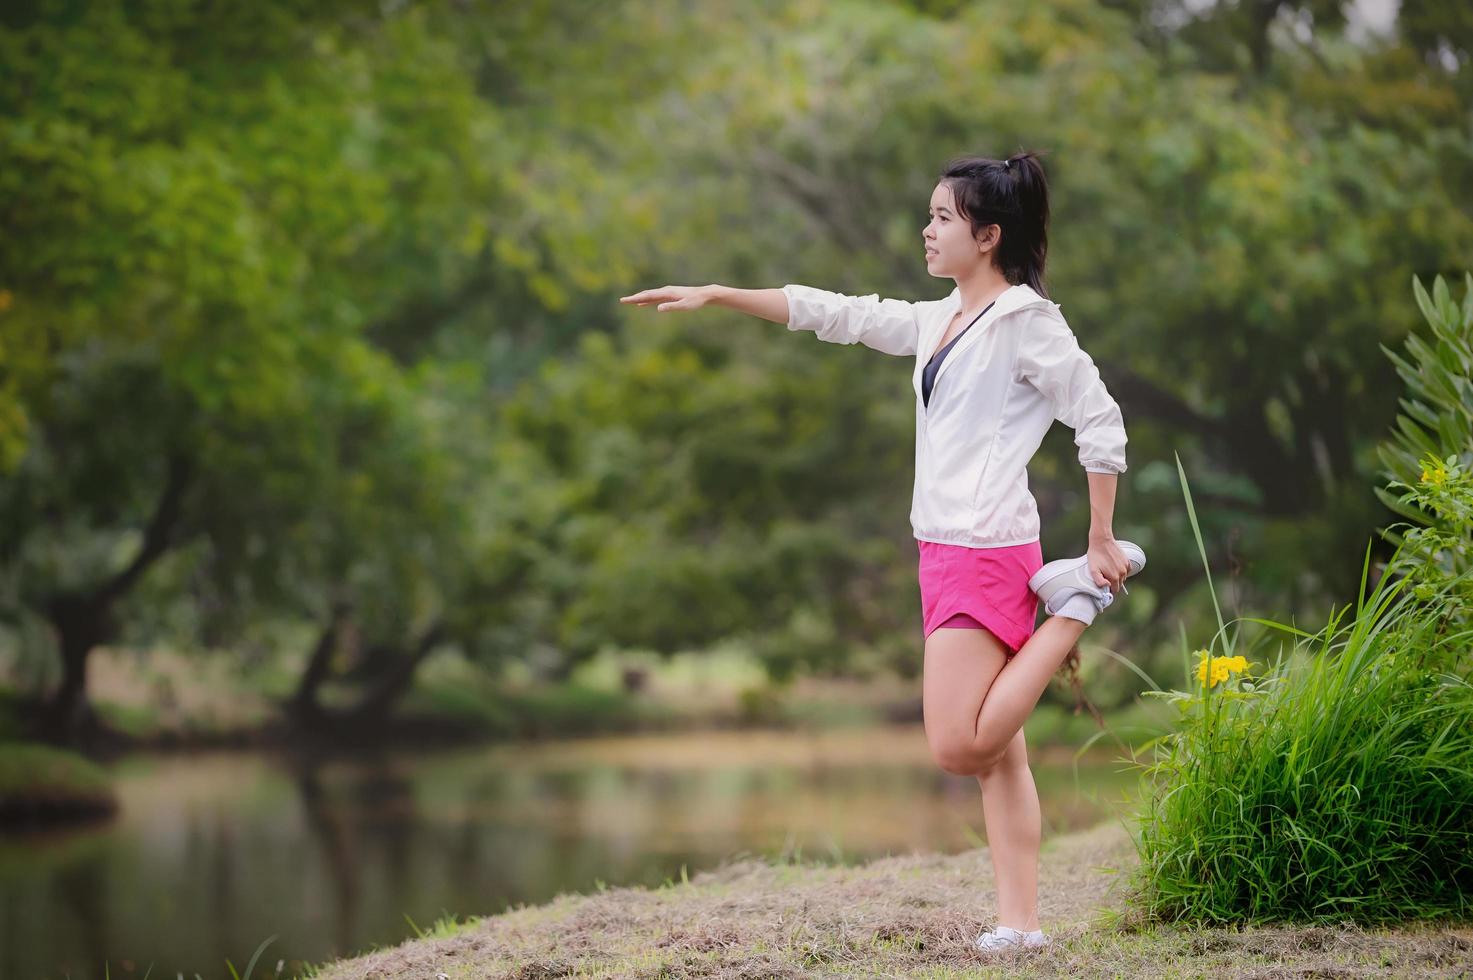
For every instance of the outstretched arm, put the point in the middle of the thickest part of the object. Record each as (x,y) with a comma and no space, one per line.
(888,325)
(769,304)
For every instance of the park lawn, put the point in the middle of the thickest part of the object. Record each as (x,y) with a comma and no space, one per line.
(911,916)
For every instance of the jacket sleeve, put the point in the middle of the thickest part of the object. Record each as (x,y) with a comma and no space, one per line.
(888,325)
(1052,361)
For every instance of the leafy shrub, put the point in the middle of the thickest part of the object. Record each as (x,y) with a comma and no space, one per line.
(1334,783)
(1430,451)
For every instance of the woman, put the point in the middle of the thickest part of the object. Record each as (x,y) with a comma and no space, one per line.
(996,364)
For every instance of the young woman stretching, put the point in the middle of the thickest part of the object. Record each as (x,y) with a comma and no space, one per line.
(996,364)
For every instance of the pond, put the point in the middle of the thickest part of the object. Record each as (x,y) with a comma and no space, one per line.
(212,853)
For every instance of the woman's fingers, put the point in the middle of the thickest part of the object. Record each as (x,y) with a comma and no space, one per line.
(1111,574)
(647,296)
(668,298)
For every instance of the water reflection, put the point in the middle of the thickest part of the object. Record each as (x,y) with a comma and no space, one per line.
(212,853)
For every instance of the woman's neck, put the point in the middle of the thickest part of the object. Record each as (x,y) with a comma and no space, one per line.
(981,287)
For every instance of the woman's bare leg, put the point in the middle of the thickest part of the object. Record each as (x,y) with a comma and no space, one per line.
(1014,835)
(960,666)
(1011,697)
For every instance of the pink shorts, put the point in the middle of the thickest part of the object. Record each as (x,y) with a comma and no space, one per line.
(976,588)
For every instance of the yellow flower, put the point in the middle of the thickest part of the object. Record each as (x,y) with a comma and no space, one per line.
(1218,669)
(1434,471)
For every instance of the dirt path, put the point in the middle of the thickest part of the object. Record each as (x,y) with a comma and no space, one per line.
(896,917)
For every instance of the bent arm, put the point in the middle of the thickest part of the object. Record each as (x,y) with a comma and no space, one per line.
(1051,360)
(1101,504)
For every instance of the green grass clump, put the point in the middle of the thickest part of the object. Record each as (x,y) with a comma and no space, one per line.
(39,780)
(1335,784)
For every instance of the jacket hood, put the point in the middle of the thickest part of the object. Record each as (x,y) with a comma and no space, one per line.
(1014,298)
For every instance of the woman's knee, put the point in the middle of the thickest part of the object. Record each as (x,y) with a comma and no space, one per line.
(967,759)
(956,757)
(960,667)
(1014,756)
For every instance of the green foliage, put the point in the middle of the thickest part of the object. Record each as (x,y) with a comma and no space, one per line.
(1333,783)
(1439,557)
(316,253)
(674,502)
(33,776)
(1429,454)
(1220,254)
(211,273)
(251,966)
(565,710)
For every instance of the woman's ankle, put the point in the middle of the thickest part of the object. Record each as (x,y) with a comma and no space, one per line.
(1004,924)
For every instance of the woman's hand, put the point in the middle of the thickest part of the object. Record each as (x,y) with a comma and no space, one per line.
(1107,563)
(671,297)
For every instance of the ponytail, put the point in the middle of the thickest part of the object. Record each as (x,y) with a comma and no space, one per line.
(1011,193)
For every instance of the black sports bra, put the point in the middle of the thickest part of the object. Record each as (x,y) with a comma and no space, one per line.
(928,376)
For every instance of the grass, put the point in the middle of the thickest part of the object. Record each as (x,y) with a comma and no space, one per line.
(1332,784)
(910,916)
(40,781)
(497,712)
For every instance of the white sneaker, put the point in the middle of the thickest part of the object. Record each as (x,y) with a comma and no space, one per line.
(1006,937)
(1059,581)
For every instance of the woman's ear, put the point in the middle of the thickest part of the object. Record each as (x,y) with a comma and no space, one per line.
(990,238)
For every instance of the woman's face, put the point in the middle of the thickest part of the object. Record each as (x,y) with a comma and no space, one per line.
(950,248)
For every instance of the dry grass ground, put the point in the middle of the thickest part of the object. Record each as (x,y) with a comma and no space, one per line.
(896,917)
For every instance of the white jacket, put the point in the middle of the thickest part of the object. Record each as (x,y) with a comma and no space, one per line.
(1000,388)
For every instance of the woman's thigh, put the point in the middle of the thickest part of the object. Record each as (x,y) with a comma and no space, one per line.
(960,666)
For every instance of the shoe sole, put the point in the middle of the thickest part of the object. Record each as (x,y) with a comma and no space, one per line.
(987,950)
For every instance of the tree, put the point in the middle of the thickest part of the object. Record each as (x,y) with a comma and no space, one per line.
(189,275)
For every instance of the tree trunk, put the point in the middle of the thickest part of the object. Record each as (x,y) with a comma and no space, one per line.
(83,620)
(1261,14)
(306,711)
(303,708)
(81,623)
(379,701)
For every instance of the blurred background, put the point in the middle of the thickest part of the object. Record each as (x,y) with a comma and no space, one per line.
(328,454)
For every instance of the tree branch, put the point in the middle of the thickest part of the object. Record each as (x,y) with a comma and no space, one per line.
(157,536)
(1138,394)
(398,678)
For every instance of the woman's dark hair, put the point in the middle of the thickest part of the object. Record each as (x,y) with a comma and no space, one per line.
(1012,193)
